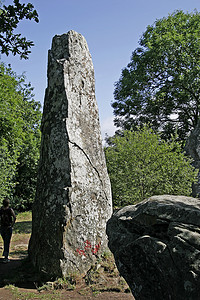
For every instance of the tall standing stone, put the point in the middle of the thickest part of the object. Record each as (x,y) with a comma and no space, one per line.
(73,198)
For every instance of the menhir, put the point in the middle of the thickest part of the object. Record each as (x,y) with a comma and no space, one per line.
(73,197)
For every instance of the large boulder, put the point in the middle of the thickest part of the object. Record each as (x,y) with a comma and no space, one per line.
(73,197)
(156,245)
(192,149)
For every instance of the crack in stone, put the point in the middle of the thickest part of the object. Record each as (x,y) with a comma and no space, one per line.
(88,158)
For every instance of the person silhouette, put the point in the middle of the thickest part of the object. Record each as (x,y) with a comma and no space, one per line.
(8,218)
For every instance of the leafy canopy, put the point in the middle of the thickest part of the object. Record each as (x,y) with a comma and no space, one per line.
(20,117)
(161,84)
(10,16)
(141,164)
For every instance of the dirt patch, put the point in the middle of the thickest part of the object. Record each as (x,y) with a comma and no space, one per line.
(6,294)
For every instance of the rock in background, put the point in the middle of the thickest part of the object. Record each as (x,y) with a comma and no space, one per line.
(73,198)
(156,245)
(192,149)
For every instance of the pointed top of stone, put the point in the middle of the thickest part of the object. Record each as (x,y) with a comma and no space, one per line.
(70,44)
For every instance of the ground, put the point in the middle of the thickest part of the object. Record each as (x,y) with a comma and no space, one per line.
(19,281)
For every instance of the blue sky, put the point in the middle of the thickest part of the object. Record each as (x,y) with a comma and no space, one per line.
(112,29)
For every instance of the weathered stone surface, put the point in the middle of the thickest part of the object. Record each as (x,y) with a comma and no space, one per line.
(156,245)
(192,149)
(73,199)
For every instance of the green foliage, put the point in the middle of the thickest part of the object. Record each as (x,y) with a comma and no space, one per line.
(160,85)
(10,131)
(20,117)
(8,164)
(141,164)
(10,16)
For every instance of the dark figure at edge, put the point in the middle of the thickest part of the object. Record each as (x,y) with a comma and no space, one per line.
(8,218)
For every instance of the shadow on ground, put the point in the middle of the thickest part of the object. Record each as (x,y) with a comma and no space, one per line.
(18,272)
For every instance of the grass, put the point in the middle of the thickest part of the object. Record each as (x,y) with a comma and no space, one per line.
(23,223)
(24,216)
(19,295)
(22,227)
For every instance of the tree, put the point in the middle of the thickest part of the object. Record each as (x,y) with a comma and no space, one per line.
(20,117)
(10,16)
(10,130)
(161,84)
(141,164)
(8,165)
